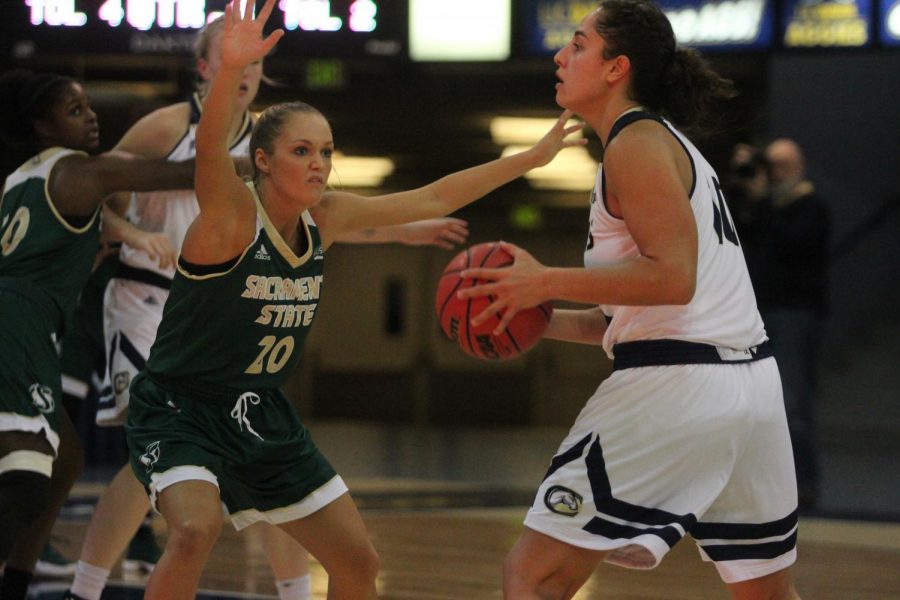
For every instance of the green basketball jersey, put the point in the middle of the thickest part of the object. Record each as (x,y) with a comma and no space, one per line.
(37,245)
(242,329)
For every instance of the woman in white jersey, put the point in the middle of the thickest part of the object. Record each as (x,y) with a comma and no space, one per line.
(133,309)
(688,434)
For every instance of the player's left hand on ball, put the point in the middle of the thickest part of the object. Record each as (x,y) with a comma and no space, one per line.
(514,288)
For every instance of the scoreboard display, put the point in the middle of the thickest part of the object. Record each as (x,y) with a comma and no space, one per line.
(387,29)
(314,28)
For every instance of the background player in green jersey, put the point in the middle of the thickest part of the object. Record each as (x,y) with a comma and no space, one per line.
(206,421)
(49,232)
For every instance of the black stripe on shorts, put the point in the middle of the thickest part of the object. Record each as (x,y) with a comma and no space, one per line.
(785,528)
(745,531)
(764,550)
(608,529)
(132,353)
(568,456)
(661,522)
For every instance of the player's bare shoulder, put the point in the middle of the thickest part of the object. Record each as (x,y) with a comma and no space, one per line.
(156,134)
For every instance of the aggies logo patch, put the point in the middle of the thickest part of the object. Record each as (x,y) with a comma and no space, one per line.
(563,501)
(121,381)
(42,397)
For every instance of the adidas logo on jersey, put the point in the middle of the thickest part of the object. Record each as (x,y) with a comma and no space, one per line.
(262,253)
(319,253)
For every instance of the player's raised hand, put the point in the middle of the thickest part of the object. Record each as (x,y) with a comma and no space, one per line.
(242,40)
(558,138)
(444,233)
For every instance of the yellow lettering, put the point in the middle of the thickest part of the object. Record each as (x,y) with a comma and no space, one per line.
(841,33)
(289,314)
(251,286)
(279,314)
(309,311)
(290,289)
(265,315)
(262,285)
(277,288)
(313,284)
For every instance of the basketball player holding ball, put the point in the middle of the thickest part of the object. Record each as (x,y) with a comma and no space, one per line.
(688,434)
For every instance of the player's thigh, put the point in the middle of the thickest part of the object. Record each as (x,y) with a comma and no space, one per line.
(192,506)
(336,535)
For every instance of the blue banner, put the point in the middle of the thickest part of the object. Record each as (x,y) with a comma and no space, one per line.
(704,24)
(725,25)
(819,23)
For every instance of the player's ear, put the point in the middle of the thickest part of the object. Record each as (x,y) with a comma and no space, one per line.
(261,160)
(203,69)
(621,66)
(44,129)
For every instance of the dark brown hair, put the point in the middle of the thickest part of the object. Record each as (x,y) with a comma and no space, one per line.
(25,98)
(675,82)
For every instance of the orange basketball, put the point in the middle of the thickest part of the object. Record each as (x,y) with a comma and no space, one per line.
(455,315)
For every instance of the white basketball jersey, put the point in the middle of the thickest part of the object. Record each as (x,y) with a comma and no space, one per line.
(723,310)
(173,211)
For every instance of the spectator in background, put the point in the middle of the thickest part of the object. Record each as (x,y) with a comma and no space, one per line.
(794,302)
(784,228)
(747,190)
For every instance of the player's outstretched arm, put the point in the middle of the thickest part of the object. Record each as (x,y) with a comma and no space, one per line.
(79,183)
(344,212)
(444,233)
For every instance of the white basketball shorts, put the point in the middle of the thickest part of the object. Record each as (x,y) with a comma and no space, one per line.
(132,311)
(662,451)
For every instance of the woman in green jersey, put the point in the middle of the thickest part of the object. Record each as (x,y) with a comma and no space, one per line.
(207,423)
(132,322)
(49,234)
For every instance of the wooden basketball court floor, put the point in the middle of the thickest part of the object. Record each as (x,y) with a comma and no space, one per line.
(437,543)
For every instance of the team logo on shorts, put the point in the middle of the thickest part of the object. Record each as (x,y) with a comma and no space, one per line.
(150,456)
(121,381)
(563,501)
(42,397)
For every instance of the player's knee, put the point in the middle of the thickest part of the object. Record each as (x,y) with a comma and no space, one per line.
(357,568)
(516,575)
(195,536)
(775,586)
(24,495)
(370,564)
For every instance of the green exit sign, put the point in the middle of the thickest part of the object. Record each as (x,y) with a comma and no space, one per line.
(324,74)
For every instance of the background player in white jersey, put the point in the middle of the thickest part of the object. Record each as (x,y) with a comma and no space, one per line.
(688,434)
(243,456)
(133,310)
